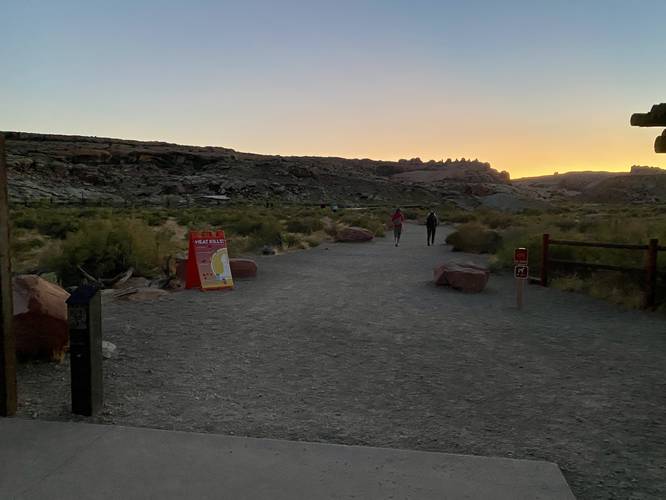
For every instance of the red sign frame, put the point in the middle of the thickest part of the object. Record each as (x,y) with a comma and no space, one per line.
(204,245)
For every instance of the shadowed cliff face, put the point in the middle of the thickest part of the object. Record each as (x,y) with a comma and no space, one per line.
(642,184)
(73,168)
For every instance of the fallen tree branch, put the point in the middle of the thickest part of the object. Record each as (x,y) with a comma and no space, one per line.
(120,278)
(90,278)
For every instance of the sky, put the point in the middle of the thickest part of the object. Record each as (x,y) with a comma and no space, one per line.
(532,87)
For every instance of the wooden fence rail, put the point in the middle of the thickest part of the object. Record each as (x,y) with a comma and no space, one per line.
(649,271)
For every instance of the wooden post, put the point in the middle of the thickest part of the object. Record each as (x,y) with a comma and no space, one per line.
(544,259)
(651,274)
(7,341)
(520,290)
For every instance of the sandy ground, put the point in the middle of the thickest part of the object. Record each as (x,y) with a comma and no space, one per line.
(351,343)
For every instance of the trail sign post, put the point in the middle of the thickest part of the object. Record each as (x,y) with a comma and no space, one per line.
(84,311)
(521,273)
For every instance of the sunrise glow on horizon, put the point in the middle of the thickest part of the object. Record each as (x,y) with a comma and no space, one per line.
(531,89)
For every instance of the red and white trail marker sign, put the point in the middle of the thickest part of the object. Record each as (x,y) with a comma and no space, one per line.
(520,256)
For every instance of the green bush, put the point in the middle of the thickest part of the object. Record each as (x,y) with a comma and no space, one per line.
(291,240)
(105,248)
(155,218)
(496,220)
(305,225)
(54,222)
(474,238)
(365,220)
(26,245)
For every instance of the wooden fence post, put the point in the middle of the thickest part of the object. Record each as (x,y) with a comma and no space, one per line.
(651,274)
(7,341)
(544,259)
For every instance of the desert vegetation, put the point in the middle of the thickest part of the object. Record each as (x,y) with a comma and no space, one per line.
(105,241)
(498,234)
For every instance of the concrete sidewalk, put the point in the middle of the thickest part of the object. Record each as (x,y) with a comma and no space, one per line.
(72,460)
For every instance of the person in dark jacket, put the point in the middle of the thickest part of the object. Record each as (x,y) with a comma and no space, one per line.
(431,225)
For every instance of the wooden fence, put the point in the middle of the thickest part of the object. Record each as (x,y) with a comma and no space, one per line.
(649,271)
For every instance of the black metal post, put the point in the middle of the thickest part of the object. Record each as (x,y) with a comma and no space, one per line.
(85,348)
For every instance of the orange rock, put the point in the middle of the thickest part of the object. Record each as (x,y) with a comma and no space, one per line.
(40,318)
(354,234)
(465,277)
(243,268)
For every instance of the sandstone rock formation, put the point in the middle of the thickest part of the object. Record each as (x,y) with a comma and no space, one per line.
(354,234)
(40,318)
(467,278)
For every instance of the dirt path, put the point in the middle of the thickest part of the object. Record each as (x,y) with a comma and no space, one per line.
(351,343)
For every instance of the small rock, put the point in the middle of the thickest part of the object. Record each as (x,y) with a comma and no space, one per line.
(243,268)
(108,349)
(268,250)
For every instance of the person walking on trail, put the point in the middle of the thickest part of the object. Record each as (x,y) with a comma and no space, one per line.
(431,225)
(397,219)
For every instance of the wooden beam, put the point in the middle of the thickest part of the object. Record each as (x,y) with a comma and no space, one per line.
(660,143)
(7,341)
(656,117)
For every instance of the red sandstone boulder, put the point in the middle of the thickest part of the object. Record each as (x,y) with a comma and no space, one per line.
(243,268)
(468,278)
(40,318)
(355,234)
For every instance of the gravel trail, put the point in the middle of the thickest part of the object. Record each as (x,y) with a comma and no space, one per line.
(353,344)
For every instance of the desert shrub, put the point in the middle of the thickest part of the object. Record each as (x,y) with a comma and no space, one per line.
(26,245)
(106,247)
(457,216)
(154,218)
(415,214)
(496,220)
(610,286)
(245,226)
(49,222)
(291,240)
(565,224)
(474,238)
(306,225)
(365,220)
(332,228)
(313,241)
(615,225)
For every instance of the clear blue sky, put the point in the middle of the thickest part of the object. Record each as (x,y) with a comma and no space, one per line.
(531,86)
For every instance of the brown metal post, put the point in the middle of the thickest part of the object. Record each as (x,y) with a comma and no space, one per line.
(7,341)
(544,259)
(651,274)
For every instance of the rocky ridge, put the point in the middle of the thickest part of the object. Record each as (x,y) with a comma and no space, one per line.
(70,169)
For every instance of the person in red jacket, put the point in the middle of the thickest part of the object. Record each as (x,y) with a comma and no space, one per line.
(397,219)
